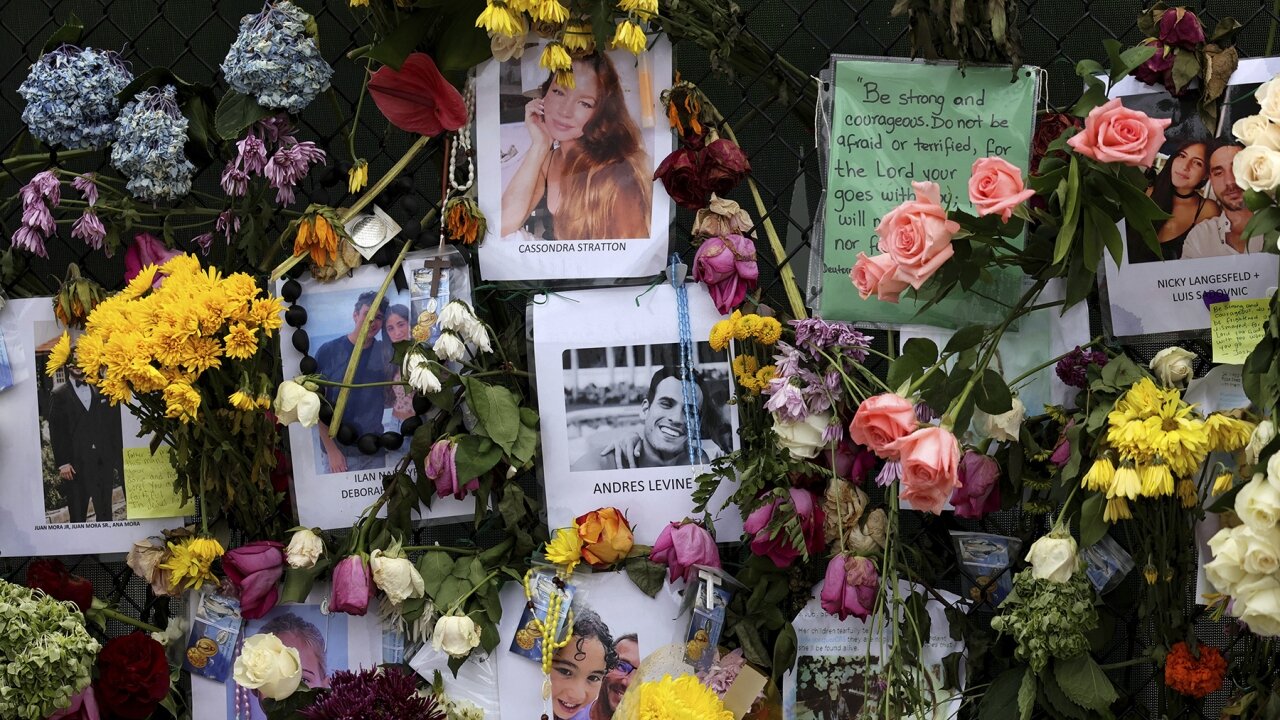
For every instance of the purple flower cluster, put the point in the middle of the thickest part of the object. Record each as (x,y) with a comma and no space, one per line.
(816,334)
(806,382)
(89,226)
(373,694)
(1073,366)
(38,196)
(272,151)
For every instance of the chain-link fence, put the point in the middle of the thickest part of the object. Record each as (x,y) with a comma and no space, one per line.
(190,38)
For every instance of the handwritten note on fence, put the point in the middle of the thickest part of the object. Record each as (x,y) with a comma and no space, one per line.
(898,122)
(148,486)
(1236,328)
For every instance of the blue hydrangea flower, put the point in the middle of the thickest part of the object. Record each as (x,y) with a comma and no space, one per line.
(71,96)
(275,60)
(150,133)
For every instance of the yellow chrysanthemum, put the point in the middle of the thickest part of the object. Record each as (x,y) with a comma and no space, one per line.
(58,354)
(645,8)
(1157,481)
(1227,434)
(499,19)
(630,36)
(241,341)
(182,402)
(241,400)
(1117,509)
(1100,475)
(578,38)
(565,547)
(673,699)
(141,282)
(190,561)
(765,374)
(1127,483)
(358,176)
(555,58)
(745,366)
(1187,493)
(768,331)
(1223,482)
(549,11)
(745,326)
(265,313)
(721,334)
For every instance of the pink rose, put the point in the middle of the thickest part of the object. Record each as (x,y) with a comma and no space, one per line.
(352,586)
(441,467)
(880,421)
(996,188)
(979,491)
(777,547)
(917,235)
(255,570)
(879,276)
(930,459)
(850,587)
(728,266)
(681,546)
(146,250)
(1180,27)
(1114,133)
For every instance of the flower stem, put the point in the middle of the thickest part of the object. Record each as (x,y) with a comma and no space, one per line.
(442,548)
(112,614)
(1053,361)
(458,603)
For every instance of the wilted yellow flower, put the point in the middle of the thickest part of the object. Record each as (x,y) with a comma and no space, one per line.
(645,8)
(1150,574)
(578,38)
(556,58)
(548,11)
(1223,482)
(359,3)
(58,354)
(241,400)
(190,561)
(630,36)
(1100,475)
(497,18)
(317,237)
(1227,433)
(1127,484)
(1157,481)
(1117,509)
(181,402)
(358,175)
(1187,493)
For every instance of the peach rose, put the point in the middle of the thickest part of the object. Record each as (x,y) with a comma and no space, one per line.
(996,187)
(606,536)
(917,235)
(930,467)
(1114,133)
(880,421)
(877,275)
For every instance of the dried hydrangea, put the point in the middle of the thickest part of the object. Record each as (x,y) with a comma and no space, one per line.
(150,134)
(1048,619)
(46,655)
(275,59)
(71,96)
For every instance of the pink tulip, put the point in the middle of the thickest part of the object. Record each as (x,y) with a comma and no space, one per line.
(255,570)
(143,251)
(681,546)
(778,548)
(728,266)
(352,587)
(850,587)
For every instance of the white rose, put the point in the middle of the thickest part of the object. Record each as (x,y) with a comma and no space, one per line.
(305,547)
(268,666)
(1258,605)
(1273,470)
(1226,570)
(1053,557)
(449,347)
(803,439)
(1173,366)
(456,635)
(506,48)
(1268,97)
(1004,427)
(295,403)
(1263,434)
(1258,503)
(1257,168)
(417,371)
(397,577)
(1261,549)
(1257,130)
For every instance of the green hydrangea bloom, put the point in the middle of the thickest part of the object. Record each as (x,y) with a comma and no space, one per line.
(1048,619)
(46,655)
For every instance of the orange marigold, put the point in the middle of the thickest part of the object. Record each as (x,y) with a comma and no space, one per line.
(1191,676)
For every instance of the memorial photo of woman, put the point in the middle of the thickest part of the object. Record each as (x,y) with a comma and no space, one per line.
(1178,189)
(586,174)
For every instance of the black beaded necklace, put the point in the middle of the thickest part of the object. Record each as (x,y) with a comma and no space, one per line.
(369,443)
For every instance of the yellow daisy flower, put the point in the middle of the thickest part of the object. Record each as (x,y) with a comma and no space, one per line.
(190,561)
(141,282)
(721,334)
(241,400)
(1227,433)
(565,547)
(629,36)
(499,19)
(58,355)
(745,326)
(1100,475)
(765,374)
(745,366)
(556,58)
(549,11)
(1223,482)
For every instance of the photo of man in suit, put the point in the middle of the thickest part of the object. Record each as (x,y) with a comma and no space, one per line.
(88,451)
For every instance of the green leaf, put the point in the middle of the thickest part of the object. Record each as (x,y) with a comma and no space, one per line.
(409,31)
(475,456)
(1027,696)
(991,394)
(646,575)
(525,446)
(917,354)
(1102,234)
(1000,701)
(1058,701)
(1186,67)
(235,113)
(69,34)
(496,410)
(1092,526)
(1070,192)
(965,338)
(1084,682)
(462,45)
(434,566)
(784,650)
(1263,223)
(298,581)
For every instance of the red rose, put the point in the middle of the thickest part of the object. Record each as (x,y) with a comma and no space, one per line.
(51,576)
(723,166)
(1048,127)
(133,676)
(679,175)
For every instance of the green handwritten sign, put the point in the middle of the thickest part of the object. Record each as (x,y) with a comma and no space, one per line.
(898,122)
(148,486)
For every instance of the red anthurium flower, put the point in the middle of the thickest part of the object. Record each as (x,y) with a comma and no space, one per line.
(417,98)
